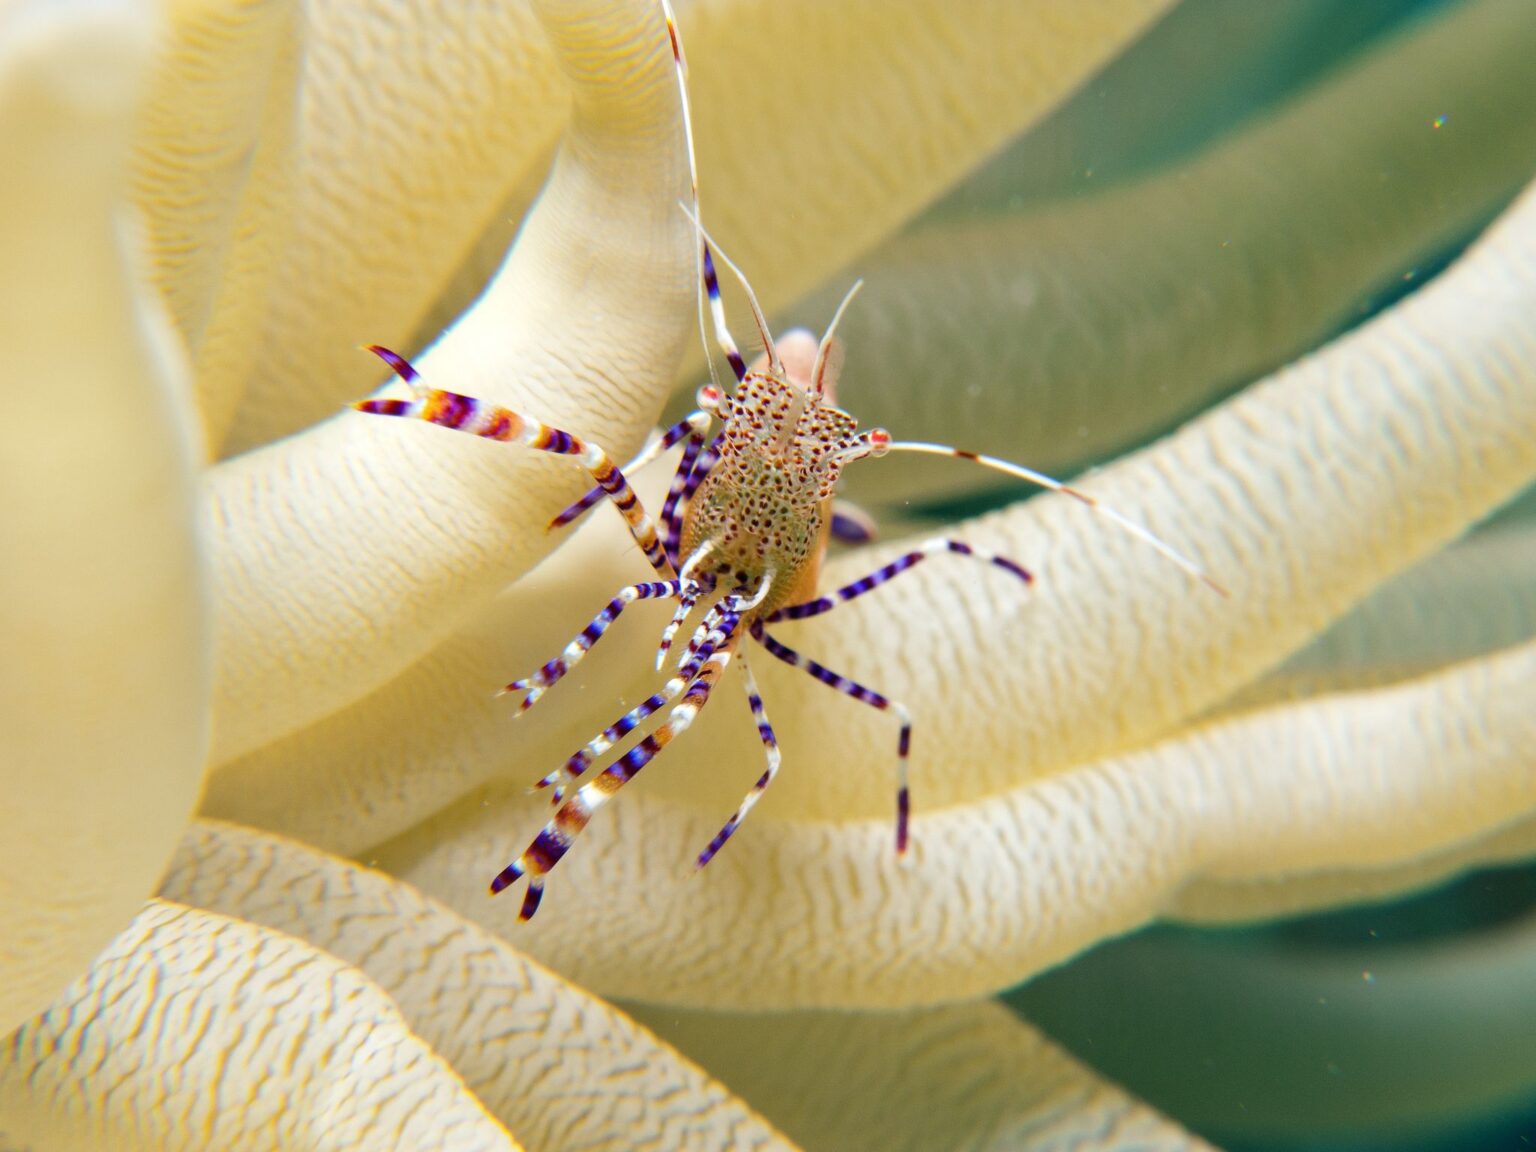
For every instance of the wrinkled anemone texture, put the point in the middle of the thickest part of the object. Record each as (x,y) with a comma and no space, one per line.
(254,778)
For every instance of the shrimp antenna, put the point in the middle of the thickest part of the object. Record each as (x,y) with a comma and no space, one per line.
(774,363)
(1044,481)
(704,272)
(825,349)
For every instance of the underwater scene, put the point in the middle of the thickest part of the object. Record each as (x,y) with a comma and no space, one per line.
(1185,802)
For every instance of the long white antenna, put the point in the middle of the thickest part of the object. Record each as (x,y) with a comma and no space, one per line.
(1044,481)
(825,347)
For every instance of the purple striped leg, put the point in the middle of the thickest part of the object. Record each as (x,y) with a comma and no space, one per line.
(706,638)
(706,463)
(685,605)
(865,695)
(694,427)
(895,568)
(686,602)
(547,676)
(770,746)
(556,837)
(690,473)
(481,418)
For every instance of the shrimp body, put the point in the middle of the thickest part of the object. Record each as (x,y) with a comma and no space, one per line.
(763,511)
(740,537)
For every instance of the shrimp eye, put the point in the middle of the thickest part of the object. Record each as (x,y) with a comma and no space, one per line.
(709,397)
(879,441)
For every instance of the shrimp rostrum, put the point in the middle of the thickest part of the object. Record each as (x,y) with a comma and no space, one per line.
(740,537)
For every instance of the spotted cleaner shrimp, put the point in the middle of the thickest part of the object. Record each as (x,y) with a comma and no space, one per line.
(743,530)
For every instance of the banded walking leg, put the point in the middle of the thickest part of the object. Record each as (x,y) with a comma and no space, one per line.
(555,839)
(690,473)
(480,418)
(709,636)
(547,676)
(865,695)
(706,462)
(895,568)
(770,746)
(685,603)
(694,426)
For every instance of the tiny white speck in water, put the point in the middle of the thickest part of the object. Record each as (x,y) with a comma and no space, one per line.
(1439,121)
(1368,976)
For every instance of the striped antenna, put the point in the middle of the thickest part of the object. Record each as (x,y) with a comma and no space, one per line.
(774,363)
(704,266)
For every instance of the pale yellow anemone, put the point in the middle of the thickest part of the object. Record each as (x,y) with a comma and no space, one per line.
(308,180)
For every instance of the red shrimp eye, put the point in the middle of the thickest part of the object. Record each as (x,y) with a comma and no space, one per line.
(879,440)
(709,397)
